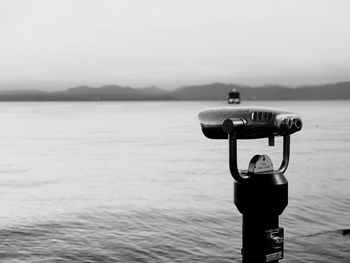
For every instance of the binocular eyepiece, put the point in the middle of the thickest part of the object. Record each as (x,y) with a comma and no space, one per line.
(248,123)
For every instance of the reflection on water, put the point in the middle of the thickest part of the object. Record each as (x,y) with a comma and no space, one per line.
(138,182)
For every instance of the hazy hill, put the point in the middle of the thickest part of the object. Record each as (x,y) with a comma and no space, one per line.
(339,91)
(215,91)
(21,92)
(112,92)
(272,92)
(86,93)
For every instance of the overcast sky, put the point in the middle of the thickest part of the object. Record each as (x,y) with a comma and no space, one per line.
(55,44)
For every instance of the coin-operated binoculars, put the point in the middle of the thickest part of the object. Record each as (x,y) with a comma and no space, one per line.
(261,192)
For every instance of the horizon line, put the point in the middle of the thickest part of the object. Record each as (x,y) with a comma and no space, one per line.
(180,87)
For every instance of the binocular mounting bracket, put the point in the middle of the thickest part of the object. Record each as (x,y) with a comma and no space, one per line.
(240,176)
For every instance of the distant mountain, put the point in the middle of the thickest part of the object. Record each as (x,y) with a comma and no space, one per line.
(219,91)
(86,93)
(112,92)
(337,91)
(215,91)
(21,92)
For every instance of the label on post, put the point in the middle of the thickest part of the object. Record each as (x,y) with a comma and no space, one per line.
(274,244)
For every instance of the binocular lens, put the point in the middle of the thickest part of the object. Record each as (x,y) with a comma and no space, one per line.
(298,124)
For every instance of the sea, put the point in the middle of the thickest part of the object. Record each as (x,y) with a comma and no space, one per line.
(139,182)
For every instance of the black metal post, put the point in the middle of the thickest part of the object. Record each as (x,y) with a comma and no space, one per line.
(261,199)
(254,227)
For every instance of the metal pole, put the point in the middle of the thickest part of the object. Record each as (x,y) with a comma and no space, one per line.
(254,237)
(261,201)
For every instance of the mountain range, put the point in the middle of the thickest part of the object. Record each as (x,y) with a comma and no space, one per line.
(214,91)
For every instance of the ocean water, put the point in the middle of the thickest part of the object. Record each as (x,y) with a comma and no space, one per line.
(138,182)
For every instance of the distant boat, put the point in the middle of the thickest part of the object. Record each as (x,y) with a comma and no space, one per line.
(234,97)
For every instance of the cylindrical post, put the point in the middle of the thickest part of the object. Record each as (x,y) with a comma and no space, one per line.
(254,237)
(261,199)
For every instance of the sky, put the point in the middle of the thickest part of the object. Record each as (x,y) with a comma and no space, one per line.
(56,44)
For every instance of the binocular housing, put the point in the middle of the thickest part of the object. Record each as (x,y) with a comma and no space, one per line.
(248,123)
